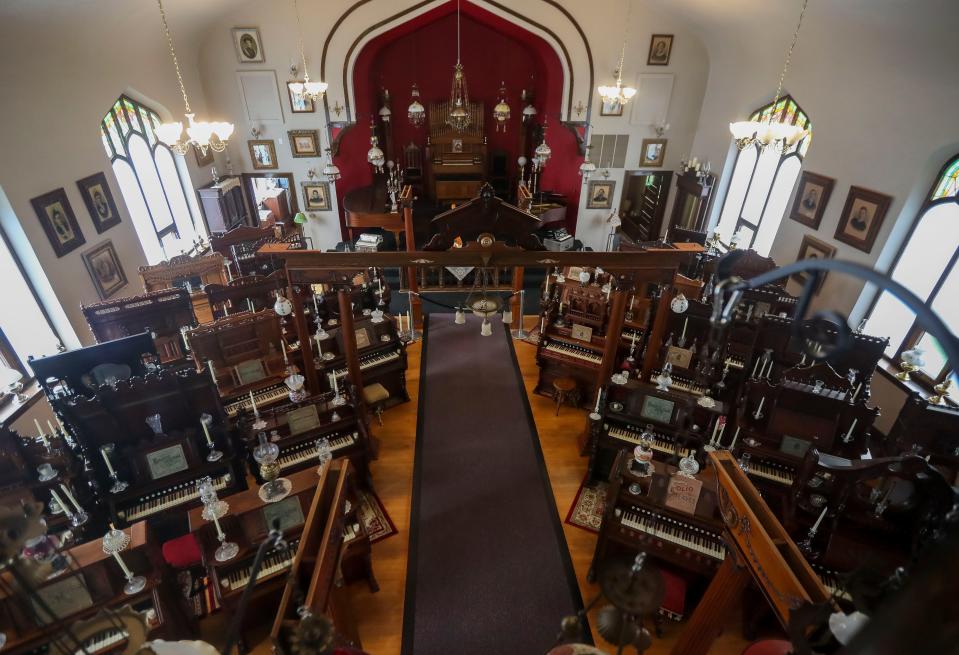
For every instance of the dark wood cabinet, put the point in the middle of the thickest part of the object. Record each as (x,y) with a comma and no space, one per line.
(644,204)
(223,205)
(692,201)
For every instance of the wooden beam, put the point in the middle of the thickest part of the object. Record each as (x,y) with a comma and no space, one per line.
(348,332)
(614,329)
(722,595)
(416,304)
(304,336)
(518,272)
(657,332)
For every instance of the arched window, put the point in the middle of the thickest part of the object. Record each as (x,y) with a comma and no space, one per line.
(762,182)
(152,185)
(927,266)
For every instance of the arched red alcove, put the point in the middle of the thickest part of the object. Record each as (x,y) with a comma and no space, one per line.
(493,50)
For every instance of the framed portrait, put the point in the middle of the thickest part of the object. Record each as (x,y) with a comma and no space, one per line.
(653,152)
(862,217)
(58,221)
(262,153)
(305,143)
(660,49)
(614,108)
(249,48)
(813,248)
(316,196)
(99,201)
(104,267)
(203,159)
(810,201)
(300,103)
(600,194)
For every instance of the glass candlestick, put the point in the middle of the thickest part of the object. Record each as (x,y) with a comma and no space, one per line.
(115,541)
(119,485)
(324,454)
(205,422)
(275,488)
(213,510)
(294,383)
(155,424)
(688,466)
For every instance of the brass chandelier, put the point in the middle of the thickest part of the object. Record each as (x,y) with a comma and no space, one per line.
(458,115)
(305,88)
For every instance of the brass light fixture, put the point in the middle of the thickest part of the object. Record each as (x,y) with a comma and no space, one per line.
(416,112)
(501,111)
(375,155)
(618,94)
(305,88)
(458,115)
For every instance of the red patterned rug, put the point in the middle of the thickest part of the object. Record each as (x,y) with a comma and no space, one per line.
(588,507)
(375,519)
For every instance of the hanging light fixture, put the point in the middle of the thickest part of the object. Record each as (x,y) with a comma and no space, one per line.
(587,168)
(305,88)
(416,111)
(385,112)
(501,110)
(766,132)
(375,155)
(619,94)
(543,152)
(202,135)
(331,170)
(458,113)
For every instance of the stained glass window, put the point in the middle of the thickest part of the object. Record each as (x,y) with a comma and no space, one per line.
(926,265)
(153,186)
(762,182)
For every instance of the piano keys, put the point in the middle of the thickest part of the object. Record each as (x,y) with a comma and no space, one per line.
(674,530)
(575,351)
(177,495)
(367,362)
(262,397)
(277,560)
(293,457)
(660,442)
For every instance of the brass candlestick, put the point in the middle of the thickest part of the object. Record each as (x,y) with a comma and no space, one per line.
(942,392)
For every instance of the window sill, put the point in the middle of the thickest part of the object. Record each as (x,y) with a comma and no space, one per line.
(888,369)
(11,410)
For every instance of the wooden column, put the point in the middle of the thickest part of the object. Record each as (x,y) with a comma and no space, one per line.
(415,303)
(348,333)
(722,595)
(518,272)
(304,336)
(614,331)
(657,331)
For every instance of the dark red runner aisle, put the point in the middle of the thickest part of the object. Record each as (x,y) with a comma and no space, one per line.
(489,569)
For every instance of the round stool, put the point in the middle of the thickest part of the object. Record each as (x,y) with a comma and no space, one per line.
(769,647)
(562,387)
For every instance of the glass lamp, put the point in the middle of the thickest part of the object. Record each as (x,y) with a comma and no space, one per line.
(274,488)
(324,454)
(213,510)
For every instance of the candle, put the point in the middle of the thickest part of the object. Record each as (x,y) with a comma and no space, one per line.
(253,403)
(219,530)
(682,337)
(249,303)
(53,430)
(722,429)
(856,392)
(319,346)
(206,431)
(759,409)
(316,306)
(106,459)
(60,423)
(712,438)
(634,339)
(609,290)
(599,394)
(546,289)
(822,515)
(126,571)
(631,299)
(851,428)
(409,319)
(59,501)
(735,436)
(70,497)
(39,429)
(755,366)
(560,307)
(209,364)
(336,388)
(379,286)
(283,348)
(542,327)
(768,371)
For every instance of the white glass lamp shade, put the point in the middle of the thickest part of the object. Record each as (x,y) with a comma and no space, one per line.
(169,133)
(315,88)
(543,152)
(584,277)
(486,329)
(331,171)
(385,114)
(607,92)
(913,357)
(522,161)
(529,111)
(507,315)
(282,306)
(615,222)
(586,169)
(743,129)
(416,112)
(501,111)
(376,157)
(628,93)
(296,88)
(679,304)
(460,317)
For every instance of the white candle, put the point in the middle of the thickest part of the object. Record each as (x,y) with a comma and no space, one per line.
(719,439)
(206,431)
(851,428)
(768,371)
(409,318)
(682,337)
(283,348)
(560,307)
(735,436)
(755,366)
(67,511)
(126,571)
(39,429)
(60,423)
(70,497)
(319,346)
(336,388)
(53,430)
(546,288)
(542,327)
(106,459)
(316,306)
(609,290)
(759,409)
(209,364)
(379,285)
(631,299)
(219,530)
(634,339)
(856,392)
(599,394)
(253,402)
(815,526)
(249,303)
(712,438)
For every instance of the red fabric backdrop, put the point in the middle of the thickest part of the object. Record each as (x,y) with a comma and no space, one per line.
(493,50)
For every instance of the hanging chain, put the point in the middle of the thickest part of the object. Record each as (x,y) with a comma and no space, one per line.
(299,36)
(622,53)
(176,64)
(789,54)
(457,31)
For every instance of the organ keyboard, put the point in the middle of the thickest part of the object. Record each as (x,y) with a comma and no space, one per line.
(675,531)
(276,561)
(661,442)
(263,397)
(103,642)
(367,362)
(295,455)
(577,352)
(774,471)
(179,494)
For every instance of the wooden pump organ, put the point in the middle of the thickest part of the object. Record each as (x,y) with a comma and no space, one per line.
(456,159)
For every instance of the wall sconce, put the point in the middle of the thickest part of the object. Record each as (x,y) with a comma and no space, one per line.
(311,173)
(660,129)
(337,108)
(579,108)
(255,131)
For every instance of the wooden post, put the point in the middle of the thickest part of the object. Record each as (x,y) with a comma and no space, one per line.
(415,304)
(517,287)
(657,331)
(304,336)
(722,595)
(348,332)
(614,331)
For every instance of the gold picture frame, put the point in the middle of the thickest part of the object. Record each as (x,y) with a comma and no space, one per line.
(653,152)
(262,154)
(304,143)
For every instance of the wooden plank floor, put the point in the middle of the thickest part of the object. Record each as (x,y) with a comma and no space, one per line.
(381,614)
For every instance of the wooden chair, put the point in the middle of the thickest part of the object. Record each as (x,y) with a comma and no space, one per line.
(413,165)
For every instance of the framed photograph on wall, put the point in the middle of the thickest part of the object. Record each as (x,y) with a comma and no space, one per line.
(600,194)
(104,267)
(653,152)
(660,49)
(300,103)
(249,48)
(811,198)
(862,217)
(614,108)
(99,201)
(262,154)
(305,143)
(316,196)
(58,221)
(813,248)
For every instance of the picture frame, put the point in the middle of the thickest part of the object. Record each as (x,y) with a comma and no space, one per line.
(600,194)
(862,218)
(304,143)
(203,160)
(813,248)
(105,269)
(98,198)
(249,46)
(660,50)
(316,196)
(811,199)
(610,108)
(653,152)
(58,221)
(262,154)
(299,103)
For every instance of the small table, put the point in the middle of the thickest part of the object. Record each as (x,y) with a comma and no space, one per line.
(562,388)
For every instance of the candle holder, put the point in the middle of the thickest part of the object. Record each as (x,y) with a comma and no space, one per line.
(119,485)
(910,361)
(275,488)
(115,541)
(324,454)
(294,383)
(155,424)
(376,316)
(744,461)
(214,455)
(213,510)
(942,392)
(47,472)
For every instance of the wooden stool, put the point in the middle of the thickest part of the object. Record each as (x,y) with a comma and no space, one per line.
(376,396)
(562,388)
